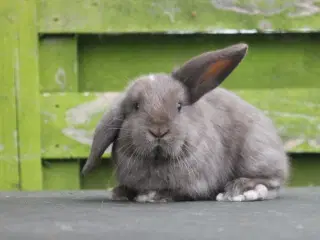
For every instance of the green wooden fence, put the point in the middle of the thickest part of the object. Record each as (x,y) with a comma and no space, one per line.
(62,62)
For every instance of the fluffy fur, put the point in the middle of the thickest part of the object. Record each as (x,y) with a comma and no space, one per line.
(180,137)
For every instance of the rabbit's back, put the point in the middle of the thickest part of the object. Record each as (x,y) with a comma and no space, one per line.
(234,118)
(231,142)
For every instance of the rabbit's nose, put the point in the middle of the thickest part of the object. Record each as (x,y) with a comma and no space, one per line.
(159,132)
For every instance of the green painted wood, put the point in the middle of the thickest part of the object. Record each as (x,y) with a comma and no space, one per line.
(102,177)
(210,16)
(274,61)
(27,90)
(58,64)
(58,73)
(9,159)
(295,112)
(305,170)
(69,119)
(61,175)
(64,175)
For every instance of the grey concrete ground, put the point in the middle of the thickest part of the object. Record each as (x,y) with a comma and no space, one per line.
(86,215)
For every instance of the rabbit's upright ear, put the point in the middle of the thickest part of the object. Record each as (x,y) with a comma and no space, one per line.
(205,72)
(105,133)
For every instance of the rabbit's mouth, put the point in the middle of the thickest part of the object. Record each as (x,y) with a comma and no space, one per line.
(159,154)
(162,150)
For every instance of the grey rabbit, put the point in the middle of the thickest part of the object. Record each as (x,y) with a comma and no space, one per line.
(180,137)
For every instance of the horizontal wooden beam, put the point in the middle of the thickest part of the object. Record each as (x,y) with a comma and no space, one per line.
(178,16)
(61,175)
(68,119)
(108,63)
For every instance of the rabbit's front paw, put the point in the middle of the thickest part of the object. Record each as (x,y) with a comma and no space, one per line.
(260,192)
(152,197)
(120,193)
(113,196)
(244,189)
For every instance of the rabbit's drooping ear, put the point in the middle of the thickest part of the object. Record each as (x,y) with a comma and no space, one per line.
(105,133)
(205,72)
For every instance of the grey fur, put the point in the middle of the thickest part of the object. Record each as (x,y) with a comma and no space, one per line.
(217,143)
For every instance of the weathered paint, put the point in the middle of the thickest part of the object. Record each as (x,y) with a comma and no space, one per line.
(27,95)
(296,113)
(82,114)
(75,119)
(70,115)
(119,16)
(60,78)
(58,64)
(107,63)
(9,167)
(292,8)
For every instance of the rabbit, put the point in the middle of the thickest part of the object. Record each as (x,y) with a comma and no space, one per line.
(183,137)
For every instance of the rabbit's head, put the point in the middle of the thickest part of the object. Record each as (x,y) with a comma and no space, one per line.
(153,115)
(150,119)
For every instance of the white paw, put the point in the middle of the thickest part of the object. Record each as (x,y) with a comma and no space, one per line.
(251,195)
(260,192)
(148,197)
(225,197)
(112,197)
(109,194)
(238,198)
(220,197)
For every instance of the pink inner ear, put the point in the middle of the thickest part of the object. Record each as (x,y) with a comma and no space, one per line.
(215,69)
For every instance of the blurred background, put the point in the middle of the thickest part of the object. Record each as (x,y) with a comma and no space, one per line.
(62,62)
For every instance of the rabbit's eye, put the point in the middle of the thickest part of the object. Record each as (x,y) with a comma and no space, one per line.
(136,106)
(179,106)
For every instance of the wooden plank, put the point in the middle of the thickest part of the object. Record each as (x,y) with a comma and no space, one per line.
(9,158)
(296,113)
(58,64)
(68,120)
(178,16)
(102,177)
(305,170)
(59,73)
(273,61)
(61,175)
(28,101)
